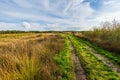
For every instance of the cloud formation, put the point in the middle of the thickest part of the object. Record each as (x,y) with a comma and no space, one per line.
(57,14)
(26,25)
(109,11)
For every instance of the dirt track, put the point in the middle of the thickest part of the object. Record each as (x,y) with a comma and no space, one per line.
(105,61)
(79,72)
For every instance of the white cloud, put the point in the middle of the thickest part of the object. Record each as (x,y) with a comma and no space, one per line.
(109,10)
(56,14)
(23,3)
(26,25)
(9,26)
(108,16)
(73,13)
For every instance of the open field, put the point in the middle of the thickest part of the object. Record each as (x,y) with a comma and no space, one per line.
(59,39)
(55,56)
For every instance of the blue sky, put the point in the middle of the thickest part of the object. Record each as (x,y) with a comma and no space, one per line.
(56,14)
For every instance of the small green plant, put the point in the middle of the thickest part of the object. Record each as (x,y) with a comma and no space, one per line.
(111,56)
(94,68)
(65,63)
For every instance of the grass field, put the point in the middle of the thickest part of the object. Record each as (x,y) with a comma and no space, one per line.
(48,56)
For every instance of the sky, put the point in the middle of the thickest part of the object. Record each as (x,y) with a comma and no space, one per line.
(57,15)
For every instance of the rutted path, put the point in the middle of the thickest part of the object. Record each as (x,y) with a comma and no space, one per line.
(106,61)
(79,72)
(97,67)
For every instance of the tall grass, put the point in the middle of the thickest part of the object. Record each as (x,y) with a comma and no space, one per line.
(107,36)
(30,60)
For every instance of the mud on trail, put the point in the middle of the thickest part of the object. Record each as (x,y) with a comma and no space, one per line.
(79,71)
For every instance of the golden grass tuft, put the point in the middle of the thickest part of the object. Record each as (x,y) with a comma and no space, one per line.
(30,60)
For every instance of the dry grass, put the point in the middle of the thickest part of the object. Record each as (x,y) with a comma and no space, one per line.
(108,36)
(31,59)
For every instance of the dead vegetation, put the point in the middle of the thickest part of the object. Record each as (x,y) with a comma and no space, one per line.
(106,36)
(32,59)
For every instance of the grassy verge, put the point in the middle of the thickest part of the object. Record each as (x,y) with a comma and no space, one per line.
(65,63)
(94,68)
(111,56)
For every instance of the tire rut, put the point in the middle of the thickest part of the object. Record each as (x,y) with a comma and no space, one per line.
(106,61)
(79,71)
